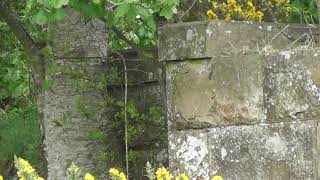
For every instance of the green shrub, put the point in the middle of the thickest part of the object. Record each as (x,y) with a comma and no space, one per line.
(19,135)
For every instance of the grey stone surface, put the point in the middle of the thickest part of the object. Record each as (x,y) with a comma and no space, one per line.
(189,153)
(254,152)
(242,100)
(217,91)
(270,151)
(205,39)
(292,85)
(65,128)
(244,89)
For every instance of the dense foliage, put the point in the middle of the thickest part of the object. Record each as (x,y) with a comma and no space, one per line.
(19,135)
(137,19)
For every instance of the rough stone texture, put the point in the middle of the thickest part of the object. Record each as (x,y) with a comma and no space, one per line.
(189,152)
(244,89)
(65,129)
(243,108)
(209,38)
(270,151)
(223,91)
(291,85)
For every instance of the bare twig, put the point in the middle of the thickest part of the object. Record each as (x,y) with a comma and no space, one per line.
(125,111)
(274,19)
(193,3)
(278,33)
(125,115)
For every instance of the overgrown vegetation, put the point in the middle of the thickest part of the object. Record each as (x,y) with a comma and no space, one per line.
(301,11)
(20,133)
(132,24)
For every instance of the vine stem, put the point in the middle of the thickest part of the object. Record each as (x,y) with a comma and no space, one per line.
(125,110)
(125,114)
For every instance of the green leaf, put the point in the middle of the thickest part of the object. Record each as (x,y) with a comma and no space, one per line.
(131,1)
(40,17)
(151,24)
(95,134)
(96,1)
(88,9)
(167,12)
(55,3)
(58,15)
(121,10)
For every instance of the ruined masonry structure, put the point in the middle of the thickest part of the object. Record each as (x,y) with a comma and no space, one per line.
(243,100)
(77,39)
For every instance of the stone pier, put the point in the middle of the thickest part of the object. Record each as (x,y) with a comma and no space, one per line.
(243,100)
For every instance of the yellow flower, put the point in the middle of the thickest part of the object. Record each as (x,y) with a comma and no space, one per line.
(249,3)
(215,5)
(163,174)
(25,167)
(25,170)
(182,176)
(260,16)
(88,176)
(115,173)
(211,15)
(122,176)
(216,178)
(1,178)
(228,17)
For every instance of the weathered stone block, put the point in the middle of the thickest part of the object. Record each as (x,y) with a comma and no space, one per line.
(65,129)
(220,91)
(210,38)
(292,85)
(275,151)
(189,153)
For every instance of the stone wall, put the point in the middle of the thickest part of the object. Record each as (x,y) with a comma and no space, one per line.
(76,39)
(243,101)
(80,45)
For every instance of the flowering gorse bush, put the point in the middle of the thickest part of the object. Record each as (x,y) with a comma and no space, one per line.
(248,10)
(232,10)
(27,172)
